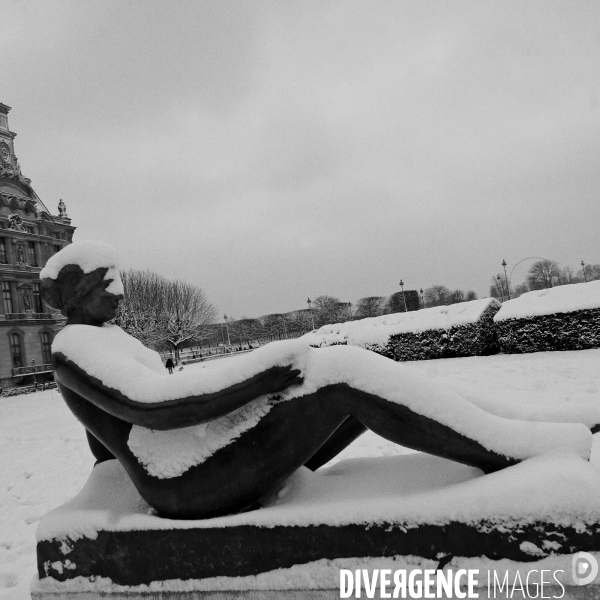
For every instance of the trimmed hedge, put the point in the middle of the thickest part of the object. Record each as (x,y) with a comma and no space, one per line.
(577,330)
(426,336)
(472,339)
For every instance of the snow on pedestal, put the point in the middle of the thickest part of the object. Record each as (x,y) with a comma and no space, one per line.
(415,509)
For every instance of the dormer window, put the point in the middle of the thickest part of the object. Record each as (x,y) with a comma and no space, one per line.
(3,121)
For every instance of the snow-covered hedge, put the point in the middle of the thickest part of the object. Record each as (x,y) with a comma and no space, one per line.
(464,329)
(560,318)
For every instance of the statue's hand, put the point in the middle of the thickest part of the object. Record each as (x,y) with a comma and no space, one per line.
(277,379)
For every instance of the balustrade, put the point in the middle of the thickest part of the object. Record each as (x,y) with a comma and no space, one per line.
(20,371)
(28,316)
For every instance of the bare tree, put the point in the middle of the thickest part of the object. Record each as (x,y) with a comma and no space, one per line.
(567,276)
(456,296)
(369,307)
(495,291)
(188,313)
(543,274)
(522,288)
(142,311)
(328,309)
(437,295)
(160,312)
(407,300)
(242,331)
(592,272)
(498,288)
(277,326)
(300,321)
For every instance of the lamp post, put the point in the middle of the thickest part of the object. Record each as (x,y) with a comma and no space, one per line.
(34,375)
(584,275)
(422,297)
(500,286)
(403,296)
(312,319)
(506,279)
(227,330)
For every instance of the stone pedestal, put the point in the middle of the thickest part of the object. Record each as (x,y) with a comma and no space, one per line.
(402,513)
(590,592)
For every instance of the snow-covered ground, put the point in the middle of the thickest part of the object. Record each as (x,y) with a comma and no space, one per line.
(45,460)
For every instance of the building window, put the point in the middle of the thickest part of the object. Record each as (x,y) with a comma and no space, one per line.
(56,249)
(7,297)
(46,348)
(3,258)
(15,350)
(31,254)
(37,299)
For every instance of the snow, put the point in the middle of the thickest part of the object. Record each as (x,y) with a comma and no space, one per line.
(122,363)
(89,255)
(325,574)
(561,299)
(45,459)
(125,364)
(404,490)
(411,489)
(377,330)
(167,454)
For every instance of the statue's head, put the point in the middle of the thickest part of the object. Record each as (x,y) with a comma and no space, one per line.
(83,282)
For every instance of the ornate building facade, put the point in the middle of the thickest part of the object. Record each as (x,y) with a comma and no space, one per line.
(29,235)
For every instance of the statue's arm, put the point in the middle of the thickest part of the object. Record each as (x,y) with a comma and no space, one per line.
(171,414)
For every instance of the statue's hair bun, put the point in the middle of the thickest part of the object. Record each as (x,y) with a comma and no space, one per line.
(71,287)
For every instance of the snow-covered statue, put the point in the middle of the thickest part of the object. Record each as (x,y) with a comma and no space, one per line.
(218,438)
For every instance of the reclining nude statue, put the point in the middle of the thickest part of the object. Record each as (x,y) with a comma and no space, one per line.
(219,437)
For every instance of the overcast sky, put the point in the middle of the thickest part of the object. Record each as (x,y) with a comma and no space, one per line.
(271,151)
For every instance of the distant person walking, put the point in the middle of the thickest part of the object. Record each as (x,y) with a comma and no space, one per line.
(169,364)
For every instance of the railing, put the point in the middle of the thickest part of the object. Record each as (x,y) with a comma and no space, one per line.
(28,389)
(20,371)
(206,357)
(29,316)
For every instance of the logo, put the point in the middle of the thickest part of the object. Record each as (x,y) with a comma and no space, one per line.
(585,568)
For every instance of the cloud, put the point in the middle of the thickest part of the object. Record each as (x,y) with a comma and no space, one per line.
(270,151)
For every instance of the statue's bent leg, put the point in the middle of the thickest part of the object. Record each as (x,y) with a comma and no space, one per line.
(400,424)
(346,433)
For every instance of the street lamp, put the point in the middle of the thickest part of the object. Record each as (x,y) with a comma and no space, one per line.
(501,287)
(309,302)
(422,297)
(349,311)
(403,296)
(34,375)
(584,275)
(227,330)
(506,278)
